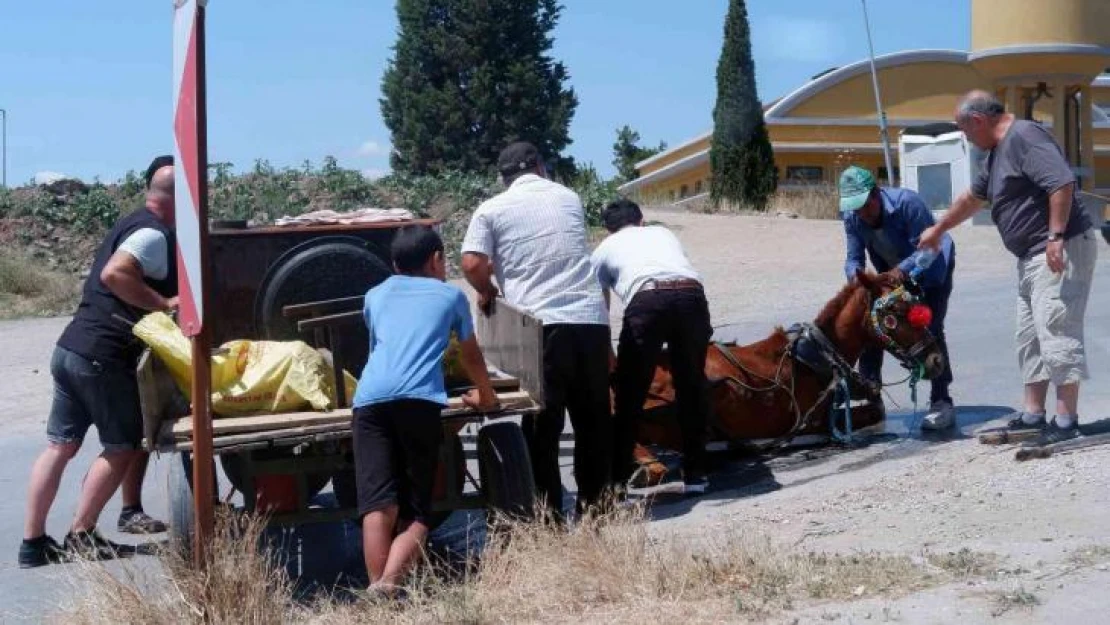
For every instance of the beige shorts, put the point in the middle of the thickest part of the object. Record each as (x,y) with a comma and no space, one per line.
(1050,311)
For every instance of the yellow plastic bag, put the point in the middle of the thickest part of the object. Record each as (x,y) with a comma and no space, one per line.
(453,369)
(248,376)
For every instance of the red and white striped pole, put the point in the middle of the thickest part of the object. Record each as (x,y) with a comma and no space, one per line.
(191,199)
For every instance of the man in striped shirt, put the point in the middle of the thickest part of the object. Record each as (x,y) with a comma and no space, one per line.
(532,239)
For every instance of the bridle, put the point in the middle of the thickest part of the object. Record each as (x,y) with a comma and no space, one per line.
(888,312)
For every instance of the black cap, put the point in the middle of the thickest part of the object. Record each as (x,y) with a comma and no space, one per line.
(518,157)
(159,162)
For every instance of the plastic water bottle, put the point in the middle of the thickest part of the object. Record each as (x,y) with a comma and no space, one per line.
(922,260)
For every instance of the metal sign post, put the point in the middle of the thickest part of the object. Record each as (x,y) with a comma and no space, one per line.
(191,199)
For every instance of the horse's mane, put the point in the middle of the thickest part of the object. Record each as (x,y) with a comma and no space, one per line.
(833,309)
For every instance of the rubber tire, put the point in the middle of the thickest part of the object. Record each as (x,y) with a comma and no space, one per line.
(505,468)
(317,270)
(182,512)
(346,491)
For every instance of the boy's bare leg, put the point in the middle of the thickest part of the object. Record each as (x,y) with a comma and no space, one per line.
(377,539)
(407,546)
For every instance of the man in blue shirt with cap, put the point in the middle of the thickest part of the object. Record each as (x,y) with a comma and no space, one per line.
(887,223)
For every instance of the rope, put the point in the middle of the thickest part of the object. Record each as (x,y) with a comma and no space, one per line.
(916,375)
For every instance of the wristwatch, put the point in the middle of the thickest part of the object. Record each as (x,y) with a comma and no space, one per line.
(1055,236)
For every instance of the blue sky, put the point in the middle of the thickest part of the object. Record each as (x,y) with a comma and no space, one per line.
(88,84)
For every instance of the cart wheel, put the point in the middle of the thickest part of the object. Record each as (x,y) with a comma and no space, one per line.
(182,511)
(506,470)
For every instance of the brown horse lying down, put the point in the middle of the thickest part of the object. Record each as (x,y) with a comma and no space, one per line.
(767,391)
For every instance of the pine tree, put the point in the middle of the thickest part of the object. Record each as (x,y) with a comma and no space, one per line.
(740,158)
(468,77)
(627,152)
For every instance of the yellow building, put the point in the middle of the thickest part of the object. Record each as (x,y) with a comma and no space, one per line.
(1045,59)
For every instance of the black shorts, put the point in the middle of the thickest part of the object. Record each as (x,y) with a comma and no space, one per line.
(396,456)
(87,393)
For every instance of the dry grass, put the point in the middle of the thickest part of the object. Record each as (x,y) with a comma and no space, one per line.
(607,569)
(807,202)
(241,585)
(965,563)
(1007,600)
(27,289)
(1089,555)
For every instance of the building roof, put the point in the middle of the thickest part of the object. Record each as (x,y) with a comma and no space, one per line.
(778,109)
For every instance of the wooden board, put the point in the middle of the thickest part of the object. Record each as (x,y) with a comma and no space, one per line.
(512,341)
(1045,451)
(183,428)
(1002,436)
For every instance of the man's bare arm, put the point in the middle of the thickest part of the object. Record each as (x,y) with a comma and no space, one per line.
(478,271)
(1059,208)
(964,207)
(124,278)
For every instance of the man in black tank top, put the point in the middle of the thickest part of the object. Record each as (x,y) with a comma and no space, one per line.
(93,366)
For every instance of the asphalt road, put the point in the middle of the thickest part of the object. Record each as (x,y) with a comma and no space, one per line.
(980,329)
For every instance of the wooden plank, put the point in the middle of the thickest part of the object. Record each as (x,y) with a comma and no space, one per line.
(323,307)
(182,428)
(512,341)
(1045,451)
(334,320)
(1002,436)
(320,228)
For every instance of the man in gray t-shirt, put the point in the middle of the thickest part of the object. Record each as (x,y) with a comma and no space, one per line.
(1031,189)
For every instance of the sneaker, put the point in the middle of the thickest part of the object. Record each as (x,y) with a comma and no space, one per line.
(1018,422)
(695,485)
(139,522)
(941,416)
(90,545)
(40,552)
(1053,433)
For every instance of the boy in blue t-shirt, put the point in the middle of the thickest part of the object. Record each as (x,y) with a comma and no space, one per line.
(396,423)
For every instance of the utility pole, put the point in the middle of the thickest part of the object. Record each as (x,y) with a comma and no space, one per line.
(878,100)
(4,157)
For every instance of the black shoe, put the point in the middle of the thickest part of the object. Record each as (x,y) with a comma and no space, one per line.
(139,522)
(1055,434)
(90,545)
(1017,423)
(40,552)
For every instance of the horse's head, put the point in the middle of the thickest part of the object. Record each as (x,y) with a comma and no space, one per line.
(899,321)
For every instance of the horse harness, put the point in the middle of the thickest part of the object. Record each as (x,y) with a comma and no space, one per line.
(809,346)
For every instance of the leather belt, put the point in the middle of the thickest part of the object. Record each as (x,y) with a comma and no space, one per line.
(670,285)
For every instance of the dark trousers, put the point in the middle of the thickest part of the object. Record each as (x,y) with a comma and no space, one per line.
(575,380)
(936,298)
(679,318)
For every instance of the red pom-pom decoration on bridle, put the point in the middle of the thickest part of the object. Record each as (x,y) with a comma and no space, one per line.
(920,316)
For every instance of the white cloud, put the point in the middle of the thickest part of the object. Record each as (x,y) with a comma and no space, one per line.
(374,174)
(47,177)
(798,39)
(372,148)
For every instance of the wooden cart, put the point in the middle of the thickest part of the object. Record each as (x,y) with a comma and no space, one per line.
(279,462)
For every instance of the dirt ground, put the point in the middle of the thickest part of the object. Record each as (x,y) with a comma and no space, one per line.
(1042,523)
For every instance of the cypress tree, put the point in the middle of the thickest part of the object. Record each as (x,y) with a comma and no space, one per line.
(467,77)
(740,158)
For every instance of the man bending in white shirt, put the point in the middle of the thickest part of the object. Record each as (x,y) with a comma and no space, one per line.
(665,303)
